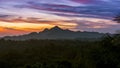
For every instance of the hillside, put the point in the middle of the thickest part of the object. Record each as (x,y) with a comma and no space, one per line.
(60,53)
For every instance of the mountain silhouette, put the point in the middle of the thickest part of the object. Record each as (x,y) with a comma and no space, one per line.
(56,28)
(57,33)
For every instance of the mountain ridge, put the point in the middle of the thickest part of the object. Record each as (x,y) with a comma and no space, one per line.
(56,33)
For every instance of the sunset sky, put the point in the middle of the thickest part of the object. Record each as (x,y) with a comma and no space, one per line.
(24,16)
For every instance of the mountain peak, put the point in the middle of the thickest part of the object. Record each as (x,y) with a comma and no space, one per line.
(45,30)
(56,28)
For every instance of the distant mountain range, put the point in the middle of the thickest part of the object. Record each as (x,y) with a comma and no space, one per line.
(57,33)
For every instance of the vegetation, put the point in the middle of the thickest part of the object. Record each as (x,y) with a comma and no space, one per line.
(60,53)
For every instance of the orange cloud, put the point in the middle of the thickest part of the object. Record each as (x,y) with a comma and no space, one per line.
(33,24)
(9,31)
(18,26)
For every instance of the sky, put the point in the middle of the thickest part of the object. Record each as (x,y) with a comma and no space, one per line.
(24,16)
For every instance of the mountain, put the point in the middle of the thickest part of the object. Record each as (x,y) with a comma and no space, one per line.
(57,33)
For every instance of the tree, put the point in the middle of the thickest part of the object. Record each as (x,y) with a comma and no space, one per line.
(117,18)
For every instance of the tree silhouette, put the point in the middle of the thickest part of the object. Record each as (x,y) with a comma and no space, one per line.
(117,18)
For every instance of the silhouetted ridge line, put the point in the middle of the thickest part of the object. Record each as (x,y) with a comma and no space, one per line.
(57,33)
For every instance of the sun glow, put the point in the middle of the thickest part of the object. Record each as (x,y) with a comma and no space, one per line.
(25,26)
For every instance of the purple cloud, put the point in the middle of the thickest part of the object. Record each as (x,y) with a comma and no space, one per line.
(52,10)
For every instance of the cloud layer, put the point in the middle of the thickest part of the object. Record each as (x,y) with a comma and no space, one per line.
(25,16)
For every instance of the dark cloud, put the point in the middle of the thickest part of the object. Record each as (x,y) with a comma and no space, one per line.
(98,11)
(6,16)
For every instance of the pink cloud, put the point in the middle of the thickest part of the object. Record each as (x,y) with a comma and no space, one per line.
(84,1)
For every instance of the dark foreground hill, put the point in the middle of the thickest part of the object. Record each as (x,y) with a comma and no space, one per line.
(60,53)
(57,33)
